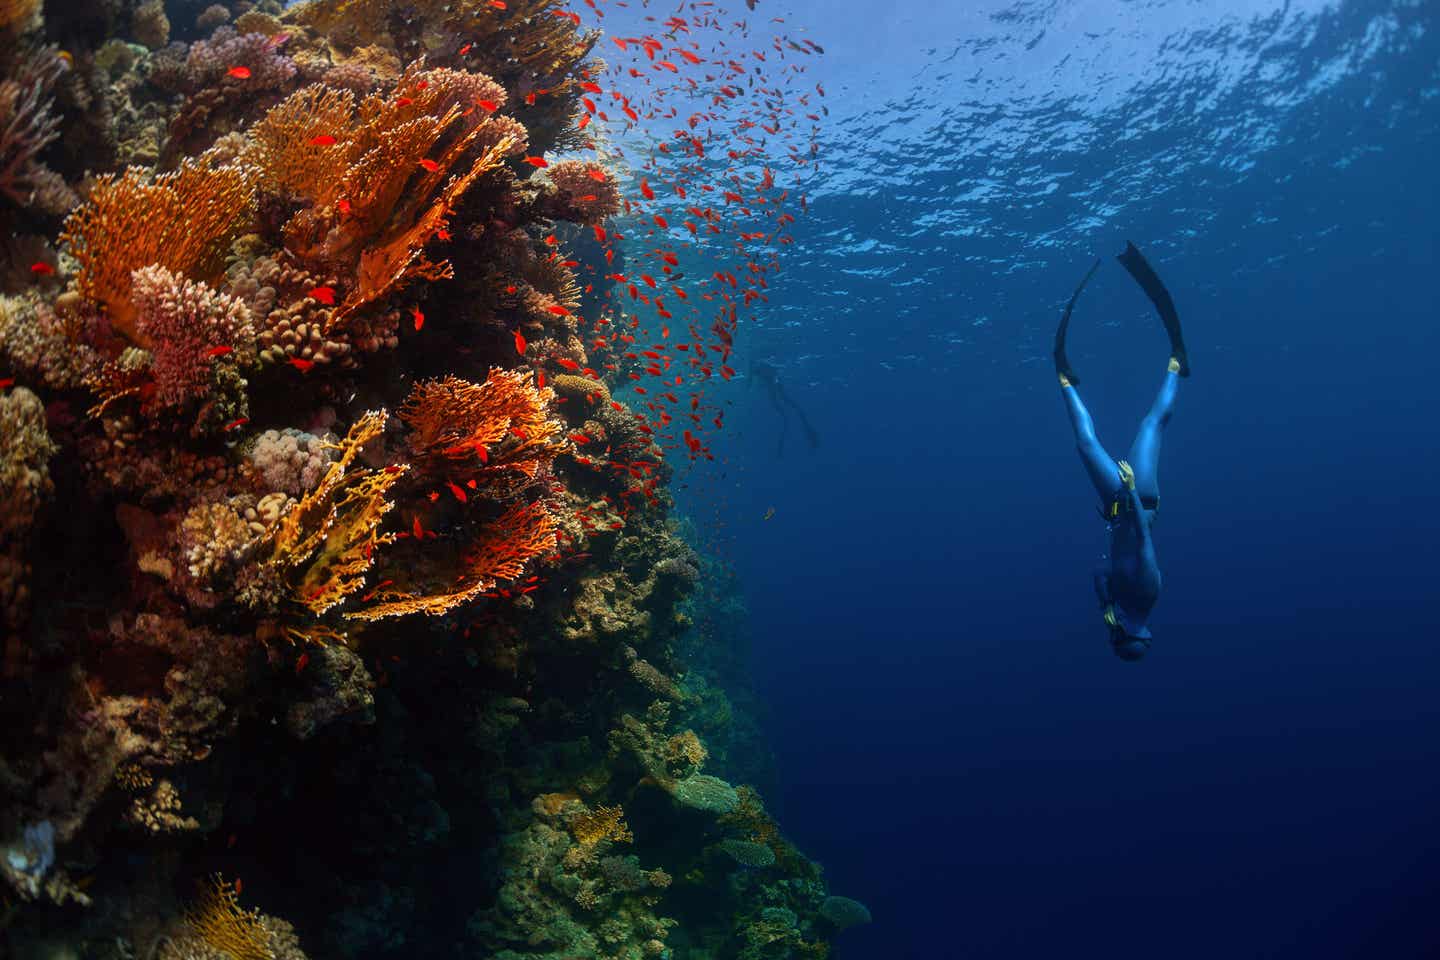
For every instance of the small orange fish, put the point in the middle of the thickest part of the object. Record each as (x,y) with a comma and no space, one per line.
(498,4)
(519,342)
(558,310)
(465,49)
(6,383)
(325,295)
(596,174)
(419,318)
(455,489)
(239,73)
(302,365)
(343,206)
(42,269)
(301,663)
(323,140)
(403,101)
(236,423)
(537,162)
(429,164)
(645,191)
(567,363)
(219,351)
(489,106)
(239,886)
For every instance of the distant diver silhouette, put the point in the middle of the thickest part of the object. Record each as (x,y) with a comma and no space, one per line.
(762,372)
(1129,489)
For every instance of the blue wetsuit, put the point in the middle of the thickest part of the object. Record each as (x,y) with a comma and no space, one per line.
(1131,584)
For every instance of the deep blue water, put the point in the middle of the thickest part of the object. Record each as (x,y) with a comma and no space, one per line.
(957,745)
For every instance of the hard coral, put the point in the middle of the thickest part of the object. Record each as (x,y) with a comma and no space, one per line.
(588,193)
(184,321)
(181,221)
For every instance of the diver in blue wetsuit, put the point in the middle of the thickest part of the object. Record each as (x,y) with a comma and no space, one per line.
(1129,489)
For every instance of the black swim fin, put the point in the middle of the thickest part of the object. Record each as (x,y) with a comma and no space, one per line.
(1145,275)
(1062,363)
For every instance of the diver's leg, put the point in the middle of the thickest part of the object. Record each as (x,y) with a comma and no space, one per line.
(1103,471)
(1145,451)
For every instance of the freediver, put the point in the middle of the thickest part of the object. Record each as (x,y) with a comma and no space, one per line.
(762,372)
(1129,489)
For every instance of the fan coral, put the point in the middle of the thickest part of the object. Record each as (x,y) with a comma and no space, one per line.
(184,321)
(460,421)
(183,221)
(522,533)
(218,919)
(330,536)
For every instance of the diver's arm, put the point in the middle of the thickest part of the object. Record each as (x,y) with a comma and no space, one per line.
(1135,514)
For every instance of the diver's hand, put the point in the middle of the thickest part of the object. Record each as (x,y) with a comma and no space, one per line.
(1127,475)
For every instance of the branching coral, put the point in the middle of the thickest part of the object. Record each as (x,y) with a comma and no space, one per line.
(588,192)
(182,221)
(26,128)
(185,321)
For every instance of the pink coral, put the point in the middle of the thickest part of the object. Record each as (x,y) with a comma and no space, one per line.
(210,61)
(184,321)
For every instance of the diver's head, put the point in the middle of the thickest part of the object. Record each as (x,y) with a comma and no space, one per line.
(1128,647)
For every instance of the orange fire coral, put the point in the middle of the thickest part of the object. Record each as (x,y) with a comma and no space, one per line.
(460,421)
(383,176)
(182,221)
(331,535)
(522,533)
(218,919)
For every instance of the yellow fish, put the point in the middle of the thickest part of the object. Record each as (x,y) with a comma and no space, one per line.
(769,513)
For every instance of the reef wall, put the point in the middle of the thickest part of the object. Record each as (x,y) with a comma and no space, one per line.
(335,585)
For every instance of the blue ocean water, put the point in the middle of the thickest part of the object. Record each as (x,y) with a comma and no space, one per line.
(957,745)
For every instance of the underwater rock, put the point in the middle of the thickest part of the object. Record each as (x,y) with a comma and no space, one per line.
(340,687)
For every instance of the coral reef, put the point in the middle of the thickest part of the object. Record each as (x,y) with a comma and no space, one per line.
(337,554)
